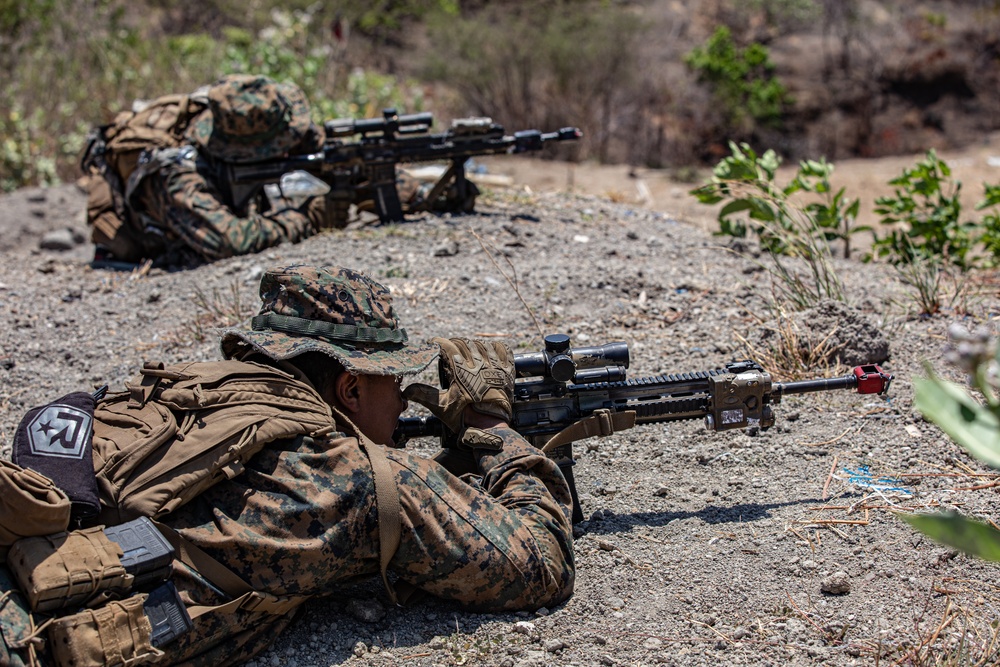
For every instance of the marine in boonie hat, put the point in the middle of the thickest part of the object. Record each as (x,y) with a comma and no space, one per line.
(252,118)
(336,311)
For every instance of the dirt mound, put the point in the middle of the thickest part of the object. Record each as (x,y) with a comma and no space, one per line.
(830,333)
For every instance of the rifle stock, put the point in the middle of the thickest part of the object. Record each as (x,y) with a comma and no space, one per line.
(358,161)
(566,394)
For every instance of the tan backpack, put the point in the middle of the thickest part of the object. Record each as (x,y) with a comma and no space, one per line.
(111,156)
(160,124)
(177,431)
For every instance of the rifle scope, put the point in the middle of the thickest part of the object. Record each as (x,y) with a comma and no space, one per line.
(389,123)
(561,362)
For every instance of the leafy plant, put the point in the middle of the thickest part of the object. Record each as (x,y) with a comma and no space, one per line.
(287,50)
(924,215)
(971,421)
(742,79)
(990,237)
(22,154)
(786,229)
(746,180)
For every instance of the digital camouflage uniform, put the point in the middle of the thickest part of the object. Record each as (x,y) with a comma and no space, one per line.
(172,192)
(303,517)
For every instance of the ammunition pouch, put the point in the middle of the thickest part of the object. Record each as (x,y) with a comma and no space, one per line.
(86,567)
(68,569)
(119,633)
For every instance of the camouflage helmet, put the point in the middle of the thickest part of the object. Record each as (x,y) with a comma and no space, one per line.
(332,310)
(251,118)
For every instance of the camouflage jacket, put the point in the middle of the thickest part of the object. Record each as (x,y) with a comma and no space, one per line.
(303,519)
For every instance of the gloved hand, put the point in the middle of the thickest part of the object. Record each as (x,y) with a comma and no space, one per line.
(315,210)
(473,373)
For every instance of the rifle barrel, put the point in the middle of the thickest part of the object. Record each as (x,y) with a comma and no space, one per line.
(869,379)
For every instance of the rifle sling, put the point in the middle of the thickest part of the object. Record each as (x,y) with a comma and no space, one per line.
(602,422)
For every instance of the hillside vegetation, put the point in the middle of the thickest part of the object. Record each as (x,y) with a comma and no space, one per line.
(656,83)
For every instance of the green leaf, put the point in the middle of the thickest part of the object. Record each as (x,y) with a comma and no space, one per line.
(972,537)
(735,206)
(968,423)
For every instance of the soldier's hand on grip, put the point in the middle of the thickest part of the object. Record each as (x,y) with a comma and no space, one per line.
(474,373)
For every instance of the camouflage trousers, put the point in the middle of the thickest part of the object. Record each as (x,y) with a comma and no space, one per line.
(303,518)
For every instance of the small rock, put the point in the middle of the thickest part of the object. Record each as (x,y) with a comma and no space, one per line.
(553,645)
(360,649)
(367,611)
(524,627)
(836,584)
(58,239)
(447,249)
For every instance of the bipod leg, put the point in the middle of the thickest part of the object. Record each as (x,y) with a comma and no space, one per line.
(455,172)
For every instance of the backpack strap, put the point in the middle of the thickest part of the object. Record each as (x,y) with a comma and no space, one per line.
(386,498)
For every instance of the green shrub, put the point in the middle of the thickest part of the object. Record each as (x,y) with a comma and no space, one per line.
(746,181)
(971,421)
(924,213)
(22,154)
(990,237)
(742,80)
(755,203)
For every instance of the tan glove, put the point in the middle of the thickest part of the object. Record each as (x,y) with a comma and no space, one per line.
(315,210)
(473,373)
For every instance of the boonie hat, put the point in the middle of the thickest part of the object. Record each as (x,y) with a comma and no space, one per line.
(252,118)
(332,310)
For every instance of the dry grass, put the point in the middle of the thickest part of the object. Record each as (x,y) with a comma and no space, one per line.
(213,310)
(794,354)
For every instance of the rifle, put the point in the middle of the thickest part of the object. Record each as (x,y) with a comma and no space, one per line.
(365,168)
(564,394)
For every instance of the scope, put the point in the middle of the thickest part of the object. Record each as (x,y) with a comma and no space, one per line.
(389,123)
(563,363)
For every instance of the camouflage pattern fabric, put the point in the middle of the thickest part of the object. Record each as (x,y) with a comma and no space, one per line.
(179,204)
(303,519)
(333,310)
(252,118)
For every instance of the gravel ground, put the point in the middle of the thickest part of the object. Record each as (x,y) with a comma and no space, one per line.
(699,548)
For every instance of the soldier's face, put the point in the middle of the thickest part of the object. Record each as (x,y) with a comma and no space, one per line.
(383,403)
